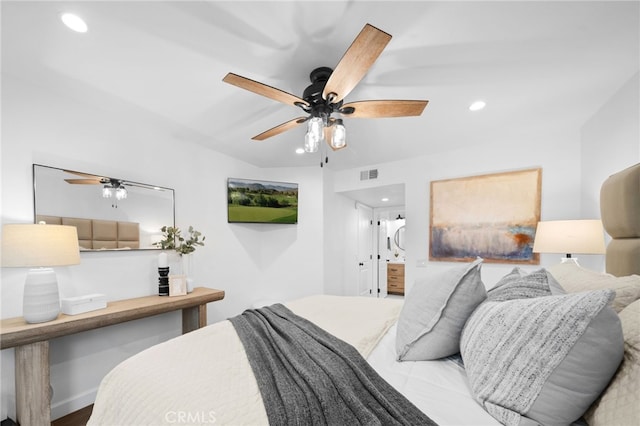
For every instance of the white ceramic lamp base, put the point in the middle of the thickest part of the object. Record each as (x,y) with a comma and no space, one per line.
(41,302)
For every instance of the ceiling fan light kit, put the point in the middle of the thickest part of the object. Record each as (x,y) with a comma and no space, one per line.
(114,189)
(111,187)
(339,137)
(315,133)
(324,97)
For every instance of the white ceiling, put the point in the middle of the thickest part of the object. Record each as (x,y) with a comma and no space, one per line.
(384,196)
(536,64)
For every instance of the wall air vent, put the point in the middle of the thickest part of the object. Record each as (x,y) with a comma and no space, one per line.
(369,174)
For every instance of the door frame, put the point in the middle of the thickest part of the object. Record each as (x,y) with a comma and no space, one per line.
(367,247)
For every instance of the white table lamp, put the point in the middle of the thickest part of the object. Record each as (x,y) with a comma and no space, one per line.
(569,237)
(39,247)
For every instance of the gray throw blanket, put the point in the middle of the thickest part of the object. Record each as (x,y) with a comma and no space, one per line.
(307,376)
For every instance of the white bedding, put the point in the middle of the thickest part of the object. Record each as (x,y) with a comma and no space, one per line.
(438,388)
(204,377)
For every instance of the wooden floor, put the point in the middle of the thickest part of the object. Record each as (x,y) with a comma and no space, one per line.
(77,418)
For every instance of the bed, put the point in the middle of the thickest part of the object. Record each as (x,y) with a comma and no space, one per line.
(554,346)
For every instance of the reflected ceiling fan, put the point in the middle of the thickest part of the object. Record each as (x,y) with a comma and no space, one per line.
(327,91)
(112,187)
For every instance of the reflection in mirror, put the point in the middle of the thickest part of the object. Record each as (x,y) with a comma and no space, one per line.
(109,213)
(398,238)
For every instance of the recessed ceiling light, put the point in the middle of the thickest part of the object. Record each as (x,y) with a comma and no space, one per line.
(384,200)
(74,22)
(477,105)
(300,151)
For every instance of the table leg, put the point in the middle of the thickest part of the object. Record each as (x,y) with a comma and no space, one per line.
(193,318)
(33,398)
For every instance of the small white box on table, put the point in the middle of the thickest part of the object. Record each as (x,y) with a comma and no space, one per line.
(81,304)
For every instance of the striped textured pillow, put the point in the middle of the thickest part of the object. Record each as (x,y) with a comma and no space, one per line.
(542,358)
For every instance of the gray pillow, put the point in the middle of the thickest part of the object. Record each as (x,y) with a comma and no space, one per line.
(544,359)
(518,285)
(435,310)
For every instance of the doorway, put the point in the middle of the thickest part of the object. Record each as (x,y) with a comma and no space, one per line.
(391,251)
(376,246)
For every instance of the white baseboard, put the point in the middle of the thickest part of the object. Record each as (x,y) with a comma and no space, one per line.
(62,408)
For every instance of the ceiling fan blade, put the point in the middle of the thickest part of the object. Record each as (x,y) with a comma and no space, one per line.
(264,90)
(355,63)
(84,181)
(381,109)
(280,128)
(86,175)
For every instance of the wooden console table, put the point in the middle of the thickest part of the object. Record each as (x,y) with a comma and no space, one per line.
(31,341)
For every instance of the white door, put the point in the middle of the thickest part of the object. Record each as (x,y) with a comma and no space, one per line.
(383,244)
(365,251)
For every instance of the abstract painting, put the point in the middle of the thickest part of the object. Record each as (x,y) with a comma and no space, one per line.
(491,216)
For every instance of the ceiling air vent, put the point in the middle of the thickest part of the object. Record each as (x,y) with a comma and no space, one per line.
(369,174)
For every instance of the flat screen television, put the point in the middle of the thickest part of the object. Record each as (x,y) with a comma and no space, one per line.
(259,201)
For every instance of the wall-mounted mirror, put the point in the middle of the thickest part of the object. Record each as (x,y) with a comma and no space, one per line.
(109,213)
(398,237)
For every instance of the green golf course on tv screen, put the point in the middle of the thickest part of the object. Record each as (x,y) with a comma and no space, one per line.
(257,201)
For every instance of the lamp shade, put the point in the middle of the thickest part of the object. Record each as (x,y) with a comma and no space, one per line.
(37,245)
(569,236)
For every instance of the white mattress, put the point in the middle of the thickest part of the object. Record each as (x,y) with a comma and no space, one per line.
(205,376)
(438,388)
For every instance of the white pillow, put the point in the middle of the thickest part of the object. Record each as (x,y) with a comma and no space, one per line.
(574,278)
(435,310)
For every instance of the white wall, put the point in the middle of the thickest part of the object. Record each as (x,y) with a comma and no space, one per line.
(610,143)
(250,262)
(417,173)
(572,165)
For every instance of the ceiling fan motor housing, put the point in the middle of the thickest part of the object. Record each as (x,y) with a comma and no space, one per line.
(313,93)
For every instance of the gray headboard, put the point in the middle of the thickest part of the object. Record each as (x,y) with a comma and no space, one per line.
(620,213)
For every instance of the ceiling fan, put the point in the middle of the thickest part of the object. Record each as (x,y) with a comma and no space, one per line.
(89,179)
(327,91)
(112,187)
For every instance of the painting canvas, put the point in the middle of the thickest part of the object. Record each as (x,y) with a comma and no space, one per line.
(492,216)
(256,201)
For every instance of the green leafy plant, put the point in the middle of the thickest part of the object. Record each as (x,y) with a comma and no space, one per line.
(173,240)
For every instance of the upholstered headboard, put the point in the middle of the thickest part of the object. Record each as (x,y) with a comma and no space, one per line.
(94,234)
(620,213)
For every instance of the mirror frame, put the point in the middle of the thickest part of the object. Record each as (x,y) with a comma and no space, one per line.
(126,182)
(396,238)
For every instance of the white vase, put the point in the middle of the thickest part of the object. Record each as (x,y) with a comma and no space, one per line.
(187,270)
(41,301)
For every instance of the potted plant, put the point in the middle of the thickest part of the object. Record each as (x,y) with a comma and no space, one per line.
(173,240)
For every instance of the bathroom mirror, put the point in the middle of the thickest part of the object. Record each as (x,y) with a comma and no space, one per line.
(109,213)
(398,237)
